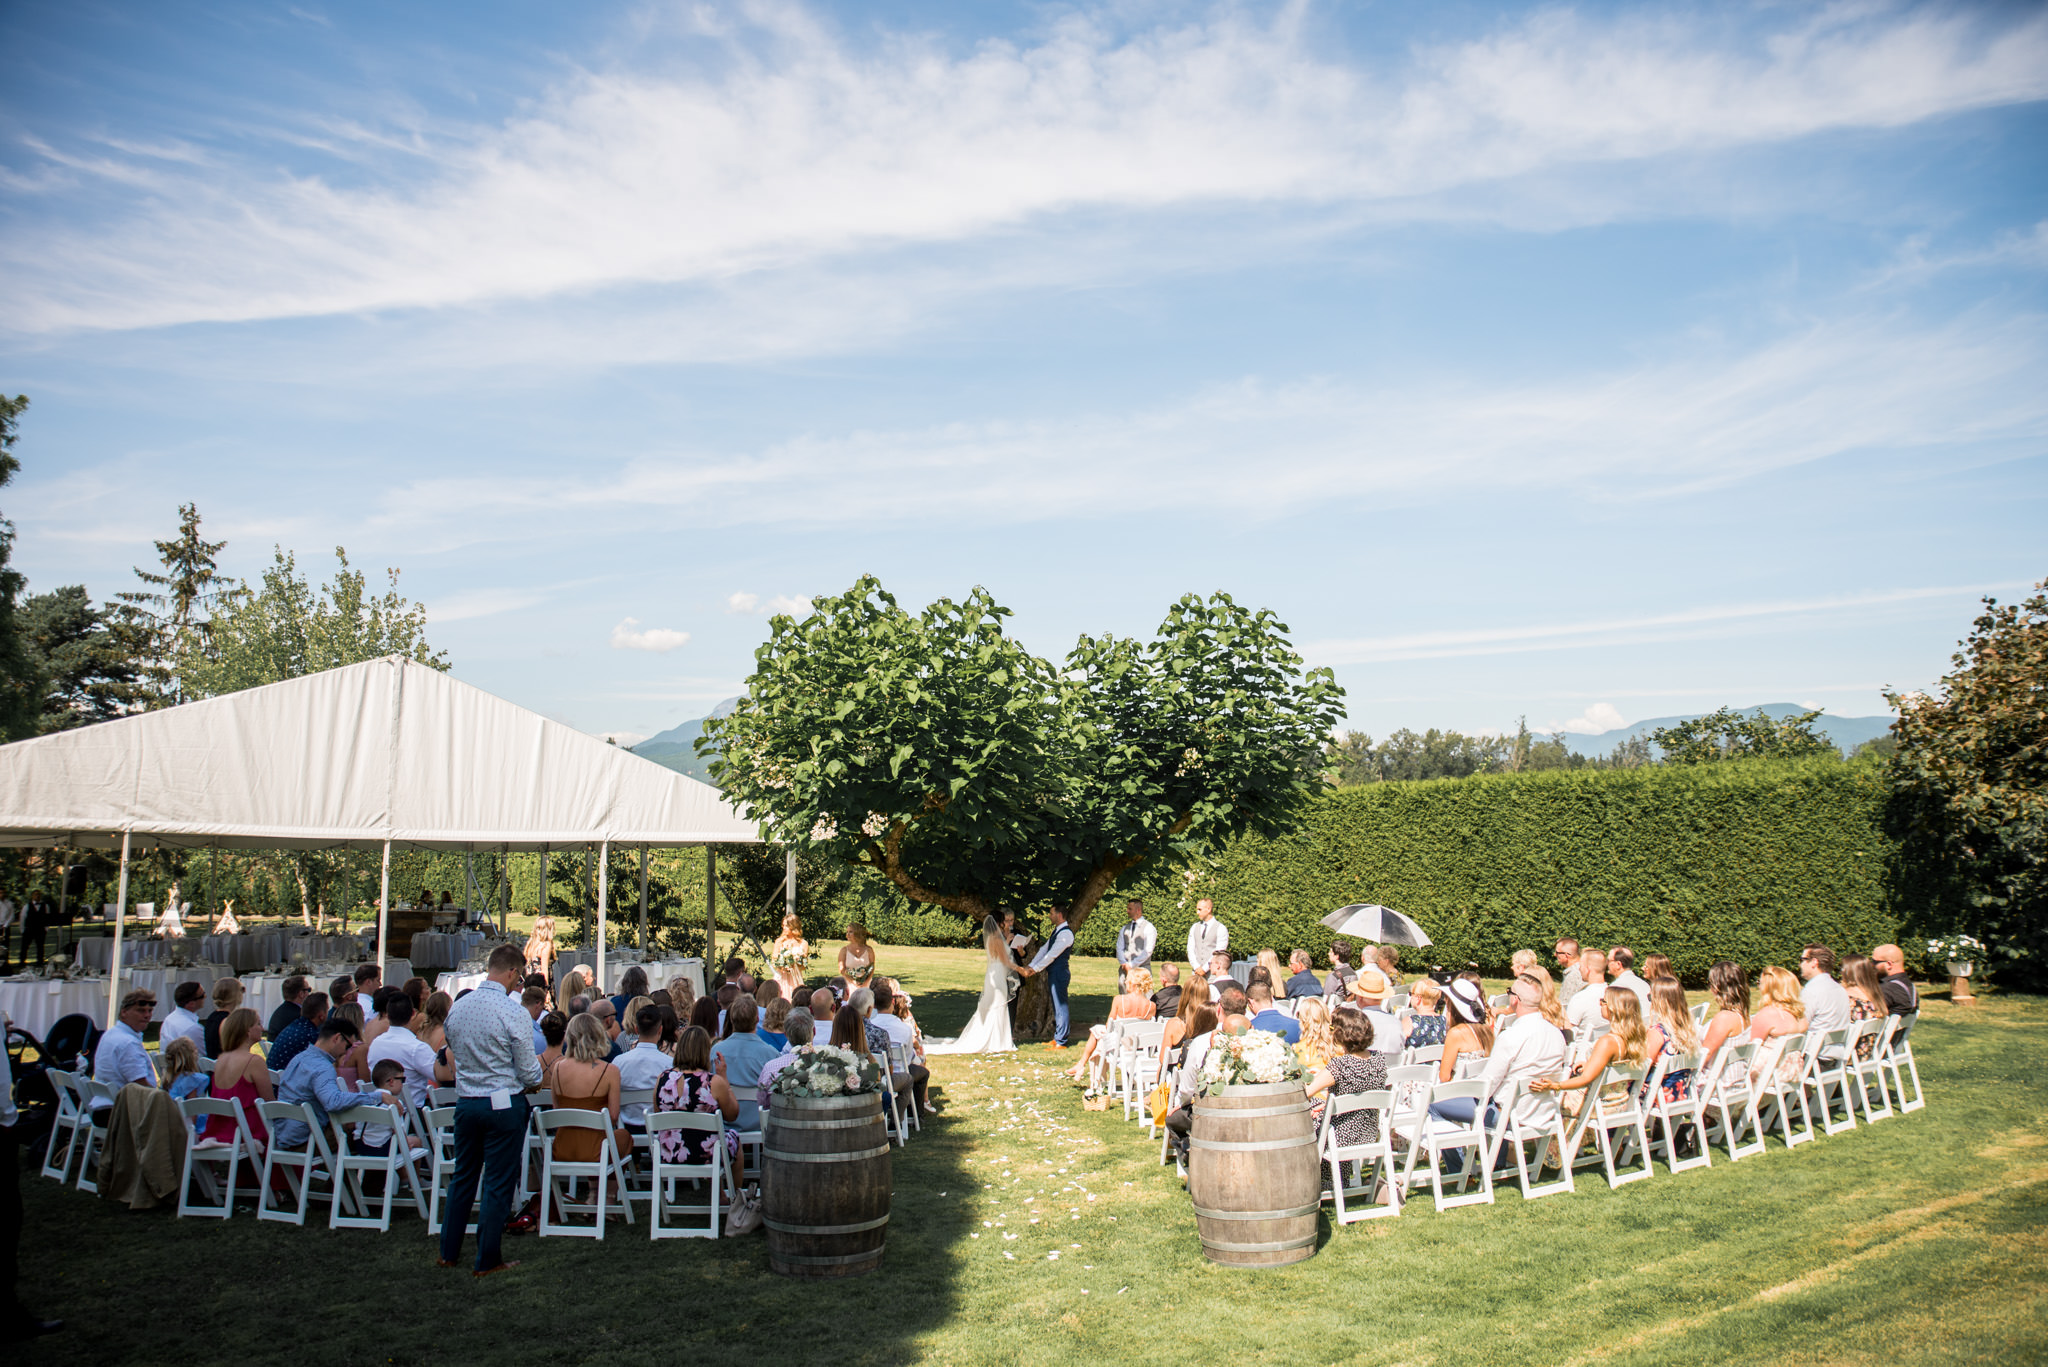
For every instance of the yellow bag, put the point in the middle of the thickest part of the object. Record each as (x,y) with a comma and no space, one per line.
(1159,1100)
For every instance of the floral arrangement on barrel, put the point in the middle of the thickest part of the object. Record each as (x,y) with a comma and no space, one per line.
(1256,1056)
(822,1070)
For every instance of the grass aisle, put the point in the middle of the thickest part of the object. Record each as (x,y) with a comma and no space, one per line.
(1026,1230)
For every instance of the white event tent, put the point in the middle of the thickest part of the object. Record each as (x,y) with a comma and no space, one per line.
(375,755)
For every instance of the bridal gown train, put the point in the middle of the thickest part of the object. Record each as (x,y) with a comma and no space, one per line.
(989,1031)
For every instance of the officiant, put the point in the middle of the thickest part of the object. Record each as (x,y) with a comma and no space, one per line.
(1051,961)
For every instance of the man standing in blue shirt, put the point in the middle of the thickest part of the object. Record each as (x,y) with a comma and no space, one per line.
(490,1040)
(1052,961)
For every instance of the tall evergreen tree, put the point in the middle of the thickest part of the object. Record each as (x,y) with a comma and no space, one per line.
(167,625)
(21,686)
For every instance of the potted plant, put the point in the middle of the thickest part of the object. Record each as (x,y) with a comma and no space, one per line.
(1960,953)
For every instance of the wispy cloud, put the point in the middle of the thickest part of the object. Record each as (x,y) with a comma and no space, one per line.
(779,142)
(766,607)
(629,635)
(459,607)
(1437,645)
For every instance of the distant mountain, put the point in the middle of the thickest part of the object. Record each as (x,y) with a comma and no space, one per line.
(675,748)
(1846,732)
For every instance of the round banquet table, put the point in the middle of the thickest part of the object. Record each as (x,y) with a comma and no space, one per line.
(36,1006)
(244,952)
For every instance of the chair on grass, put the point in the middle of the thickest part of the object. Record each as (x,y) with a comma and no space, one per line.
(1621,1127)
(1373,1161)
(1826,1078)
(632,1164)
(1897,1055)
(1422,1053)
(1670,1115)
(1515,1132)
(1437,1138)
(439,1123)
(1728,1102)
(200,1152)
(893,1101)
(1779,1085)
(715,1178)
(299,1168)
(1169,1077)
(899,1067)
(1866,1075)
(96,1101)
(559,1176)
(351,1167)
(1135,1062)
(69,1125)
(534,1149)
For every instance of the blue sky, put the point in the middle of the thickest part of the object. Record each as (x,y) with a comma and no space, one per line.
(1587,363)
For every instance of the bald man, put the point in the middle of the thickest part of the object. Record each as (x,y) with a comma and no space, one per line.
(1900,996)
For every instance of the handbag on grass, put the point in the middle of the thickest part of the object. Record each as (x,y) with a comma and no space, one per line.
(745,1215)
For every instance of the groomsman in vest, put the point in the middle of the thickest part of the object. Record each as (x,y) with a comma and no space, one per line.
(1052,962)
(1206,936)
(1135,942)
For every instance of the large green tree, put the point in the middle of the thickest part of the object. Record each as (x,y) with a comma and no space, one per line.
(1405,754)
(937,752)
(165,626)
(1729,734)
(86,671)
(21,684)
(1970,779)
(287,628)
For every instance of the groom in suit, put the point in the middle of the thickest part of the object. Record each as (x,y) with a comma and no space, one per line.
(1052,961)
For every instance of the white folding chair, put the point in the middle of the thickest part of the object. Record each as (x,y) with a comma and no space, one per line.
(90,1091)
(1136,1061)
(206,1065)
(1669,1116)
(1898,1054)
(1411,1084)
(892,1102)
(352,1167)
(200,1152)
(1826,1078)
(1621,1128)
(631,1188)
(1372,1160)
(1728,1102)
(899,1067)
(535,1148)
(1437,1137)
(440,1127)
(1099,1062)
(557,1174)
(69,1124)
(1866,1075)
(1169,1077)
(299,1167)
(1699,1013)
(1780,1083)
(1542,1135)
(670,1178)
(1421,1053)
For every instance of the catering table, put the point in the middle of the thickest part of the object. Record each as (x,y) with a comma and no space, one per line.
(36,1006)
(453,983)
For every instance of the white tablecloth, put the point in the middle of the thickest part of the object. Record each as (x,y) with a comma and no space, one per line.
(98,952)
(437,949)
(36,1006)
(244,952)
(318,948)
(452,983)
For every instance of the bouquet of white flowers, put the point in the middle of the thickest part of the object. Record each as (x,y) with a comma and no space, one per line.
(1954,949)
(1255,1056)
(822,1070)
(790,957)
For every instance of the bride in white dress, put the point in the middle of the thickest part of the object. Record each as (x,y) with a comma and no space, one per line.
(989,1031)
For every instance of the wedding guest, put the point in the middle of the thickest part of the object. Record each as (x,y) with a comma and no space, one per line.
(314,1079)
(1657,966)
(184,1022)
(240,1075)
(1352,1070)
(898,1032)
(1166,1001)
(415,991)
(1134,1002)
(1317,1040)
(227,996)
(534,1001)
(388,1076)
(1567,955)
(1582,1008)
(632,983)
(1276,976)
(704,1015)
(744,1054)
(1729,987)
(554,1028)
(1900,996)
(1520,962)
(342,989)
(433,1019)
(294,992)
(682,995)
(353,1063)
(120,1057)
(697,1085)
(725,996)
(378,1022)
(1866,997)
(1301,981)
(1827,1005)
(1135,941)
(772,1017)
(299,1034)
(1672,1034)
(369,977)
(607,1017)
(641,1067)
(1625,1045)
(1195,1017)
(177,1065)
(1219,973)
(1369,991)
(1266,1016)
(403,1046)
(1781,1010)
(1428,1025)
(1339,980)
(491,1041)
(1207,937)
(857,956)
(1387,959)
(849,1031)
(1534,1051)
(1621,972)
(1469,1031)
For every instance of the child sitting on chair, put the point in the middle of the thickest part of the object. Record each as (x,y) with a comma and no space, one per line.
(387,1076)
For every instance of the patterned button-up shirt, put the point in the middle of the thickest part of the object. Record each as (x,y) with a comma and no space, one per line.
(490,1040)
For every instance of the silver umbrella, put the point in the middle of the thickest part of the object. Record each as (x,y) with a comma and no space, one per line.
(1377,924)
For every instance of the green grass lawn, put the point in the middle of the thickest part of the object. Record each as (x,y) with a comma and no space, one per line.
(1920,1239)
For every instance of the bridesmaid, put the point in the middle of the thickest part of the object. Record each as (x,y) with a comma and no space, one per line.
(857,958)
(791,945)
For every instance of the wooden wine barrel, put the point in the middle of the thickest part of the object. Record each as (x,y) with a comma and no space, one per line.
(1253,1175)
(825,1185)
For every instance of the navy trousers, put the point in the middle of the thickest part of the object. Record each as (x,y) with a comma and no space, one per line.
(1056,980)
(487,1146)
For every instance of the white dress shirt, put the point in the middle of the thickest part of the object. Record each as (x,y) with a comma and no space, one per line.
(640,1068)
(1386,1032)
(1827,1005)
(1062,940)
(1533,1049)
(182,1024)
(1583,1011)
(1191,1067)
(1627,978)
(1135,942)
(121,1059)
(415,1054)
(1204,939)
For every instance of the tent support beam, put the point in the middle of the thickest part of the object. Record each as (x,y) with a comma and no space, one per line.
(643,901)
(604,855)
(789,881)
(383,906)
(120,922)
(469,884)
(710,913)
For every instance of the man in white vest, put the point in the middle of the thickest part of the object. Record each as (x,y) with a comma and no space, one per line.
(1134,942)
(1206,936)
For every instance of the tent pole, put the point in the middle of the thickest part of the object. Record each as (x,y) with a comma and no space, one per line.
(710,912)
(604,854)
(789,881)
(643,902)
(585,899)
(505,872)
(469,883)
(120,920)
(383,906)
(63,880)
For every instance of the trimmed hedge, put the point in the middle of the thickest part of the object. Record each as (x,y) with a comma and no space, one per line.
(1746,860)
